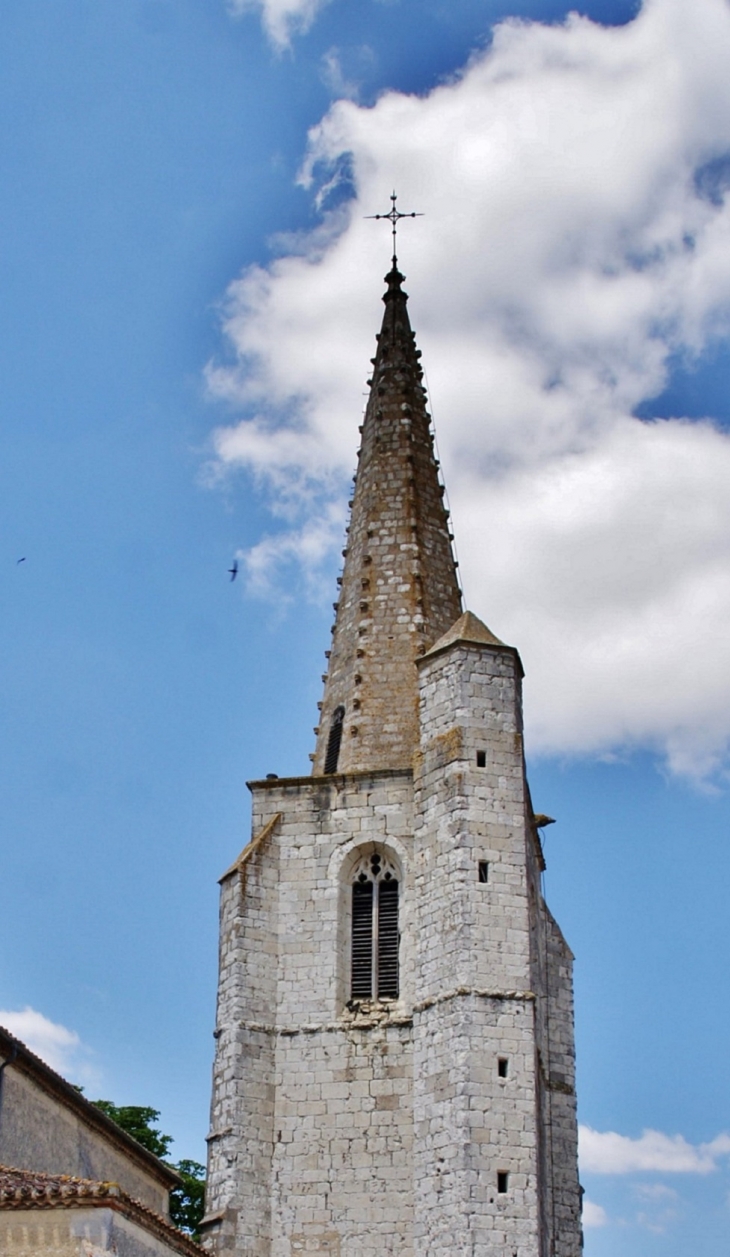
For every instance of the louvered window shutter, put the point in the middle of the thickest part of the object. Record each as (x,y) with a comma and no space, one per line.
(375,938)
(387,939)
(362,940)
(334,741)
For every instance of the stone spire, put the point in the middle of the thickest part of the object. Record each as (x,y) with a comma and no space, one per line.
(399,589)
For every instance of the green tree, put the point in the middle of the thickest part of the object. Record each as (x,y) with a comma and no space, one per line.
(187,1202)
(138,1120)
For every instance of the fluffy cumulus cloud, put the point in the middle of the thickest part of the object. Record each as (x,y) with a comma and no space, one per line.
(605,1152)
(576,244)
(59,1047)
(281,18)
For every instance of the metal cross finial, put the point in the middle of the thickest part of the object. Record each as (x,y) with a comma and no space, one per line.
(394,216)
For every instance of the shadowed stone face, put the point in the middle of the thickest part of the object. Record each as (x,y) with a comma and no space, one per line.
(399,586)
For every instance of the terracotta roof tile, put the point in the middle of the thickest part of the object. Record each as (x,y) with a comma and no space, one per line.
(29,1189)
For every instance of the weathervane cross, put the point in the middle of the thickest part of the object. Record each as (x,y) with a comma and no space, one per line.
(394,216)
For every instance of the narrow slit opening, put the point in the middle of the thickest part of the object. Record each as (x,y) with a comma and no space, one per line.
(334,741)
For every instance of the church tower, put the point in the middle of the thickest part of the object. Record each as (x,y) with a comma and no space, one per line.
(394,1069)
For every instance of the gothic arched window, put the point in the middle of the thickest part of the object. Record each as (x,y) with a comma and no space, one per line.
(374,960)
(334,740)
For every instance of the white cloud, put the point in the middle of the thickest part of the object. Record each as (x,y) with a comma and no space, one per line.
(281,18)
(268,562)
(655,1192)
(342,70)
(593,1215)
(58,1046)
(660,1209)
(605,1152)
(574,245)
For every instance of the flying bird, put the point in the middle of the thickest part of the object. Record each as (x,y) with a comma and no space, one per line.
(234,570)
(20,560)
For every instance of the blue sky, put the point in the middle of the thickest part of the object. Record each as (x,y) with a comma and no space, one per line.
(190,297)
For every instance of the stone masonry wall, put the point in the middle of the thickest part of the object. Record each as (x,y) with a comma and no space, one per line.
(39,1133)
(77,1232)
(561,1108)
(475,1004)
(343,1170)
(470,1124)
(240,1142)
(552,980)
(316,1120)
(441,1124)
(472,933)
(399,589)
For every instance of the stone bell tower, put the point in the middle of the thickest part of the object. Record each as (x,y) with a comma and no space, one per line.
(394,1069)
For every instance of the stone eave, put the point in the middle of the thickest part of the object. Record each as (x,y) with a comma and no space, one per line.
(500,647)
(469,630)
(339,779)
(251,848)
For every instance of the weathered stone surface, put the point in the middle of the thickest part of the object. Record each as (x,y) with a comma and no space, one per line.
(80,1232)
(399,586)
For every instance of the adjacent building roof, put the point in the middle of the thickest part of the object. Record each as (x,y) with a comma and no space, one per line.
(14,1052)
(26,1189)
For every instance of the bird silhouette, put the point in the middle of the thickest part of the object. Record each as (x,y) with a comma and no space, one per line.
(20,560)
(234,570)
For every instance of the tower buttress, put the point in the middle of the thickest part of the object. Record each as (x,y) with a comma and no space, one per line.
(399,586)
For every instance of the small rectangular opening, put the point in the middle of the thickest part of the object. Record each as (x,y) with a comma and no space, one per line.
(483,870)
(481,759)
(502,1181)
(502,1066)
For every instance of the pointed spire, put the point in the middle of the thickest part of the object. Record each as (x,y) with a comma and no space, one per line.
(400,591)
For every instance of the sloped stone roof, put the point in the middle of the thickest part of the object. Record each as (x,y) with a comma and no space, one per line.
(468,628)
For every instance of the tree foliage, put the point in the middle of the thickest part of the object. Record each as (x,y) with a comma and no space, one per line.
(138,1120)
(187,1202)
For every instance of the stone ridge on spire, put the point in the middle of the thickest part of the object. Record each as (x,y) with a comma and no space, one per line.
(399,589)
